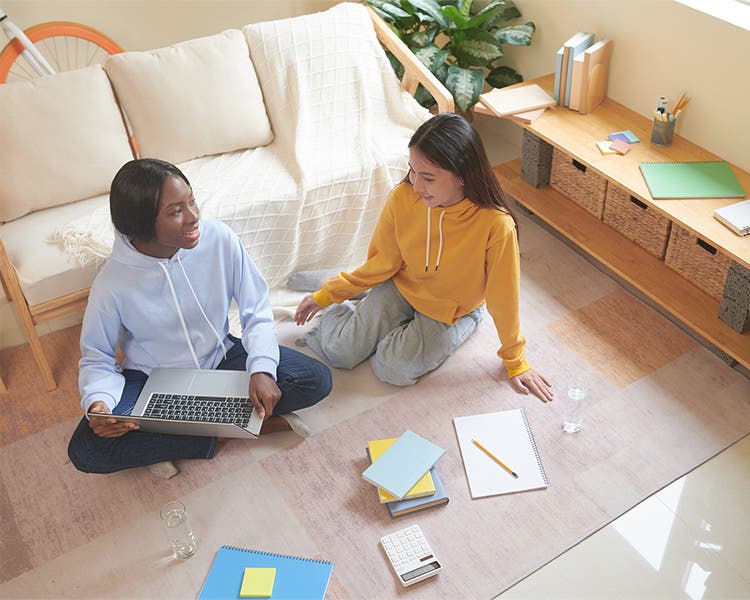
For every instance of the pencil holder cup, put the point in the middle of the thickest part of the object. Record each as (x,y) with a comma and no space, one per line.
(662,132)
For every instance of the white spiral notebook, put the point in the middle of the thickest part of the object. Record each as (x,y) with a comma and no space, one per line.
(507,436)
(735,216)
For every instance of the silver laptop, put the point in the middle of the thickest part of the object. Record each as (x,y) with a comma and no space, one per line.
(196,402)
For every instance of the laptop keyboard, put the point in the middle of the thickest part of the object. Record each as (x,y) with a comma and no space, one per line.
(205,409)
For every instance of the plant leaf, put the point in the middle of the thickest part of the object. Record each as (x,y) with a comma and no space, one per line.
(396,64)
(502,76)
(478,49)
(431,9)
(464,7)
(452,13)
(507,12)
(465,85)
(431,56)
(423,96)
(420,39)
(517,35)
(391,11)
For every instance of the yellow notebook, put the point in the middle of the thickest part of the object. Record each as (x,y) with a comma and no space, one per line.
(257,582)
(424,487)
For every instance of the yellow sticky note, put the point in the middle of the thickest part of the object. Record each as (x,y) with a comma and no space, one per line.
(257,582)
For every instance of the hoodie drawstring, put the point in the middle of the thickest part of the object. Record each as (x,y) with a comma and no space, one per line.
(179,314)
(427,243)
(190,285)
(440,245)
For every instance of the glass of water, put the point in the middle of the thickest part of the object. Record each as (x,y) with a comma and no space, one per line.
(178,530)
(573,409)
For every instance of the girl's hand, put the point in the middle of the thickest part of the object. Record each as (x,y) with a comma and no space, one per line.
(536,383)
(108,427)
(306,310)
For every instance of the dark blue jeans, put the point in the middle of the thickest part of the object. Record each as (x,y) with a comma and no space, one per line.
(303,382)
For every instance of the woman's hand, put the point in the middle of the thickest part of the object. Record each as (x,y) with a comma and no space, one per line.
(264,393)
(536,383)
(306,310)
(108,427)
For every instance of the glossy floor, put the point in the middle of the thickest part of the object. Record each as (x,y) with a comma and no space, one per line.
(690,540)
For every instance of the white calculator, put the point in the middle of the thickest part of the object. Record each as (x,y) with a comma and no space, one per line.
(411,556)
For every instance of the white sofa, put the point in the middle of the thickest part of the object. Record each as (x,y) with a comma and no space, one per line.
(291,131)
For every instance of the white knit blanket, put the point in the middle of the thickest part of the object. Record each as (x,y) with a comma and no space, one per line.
(310,199)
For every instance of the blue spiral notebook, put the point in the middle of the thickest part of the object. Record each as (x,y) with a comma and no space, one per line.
(296,577)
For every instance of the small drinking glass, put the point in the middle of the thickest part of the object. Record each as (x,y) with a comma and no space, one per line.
(178,530)
(573,409)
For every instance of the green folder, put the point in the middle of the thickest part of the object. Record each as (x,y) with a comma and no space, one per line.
(709,179)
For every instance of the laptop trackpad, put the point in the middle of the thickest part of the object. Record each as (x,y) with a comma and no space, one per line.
(218,383)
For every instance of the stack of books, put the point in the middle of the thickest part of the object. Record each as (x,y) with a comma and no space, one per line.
(523,104)
(582,72)
(403,470)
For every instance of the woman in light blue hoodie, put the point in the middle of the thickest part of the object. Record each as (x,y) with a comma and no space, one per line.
(163,297)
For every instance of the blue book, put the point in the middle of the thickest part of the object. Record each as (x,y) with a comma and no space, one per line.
(577,44)
(403,464)
(295,577)
(411,505)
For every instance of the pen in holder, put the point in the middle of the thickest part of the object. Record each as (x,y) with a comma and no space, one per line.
(662,132)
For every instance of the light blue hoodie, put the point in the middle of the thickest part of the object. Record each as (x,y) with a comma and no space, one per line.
(173,312)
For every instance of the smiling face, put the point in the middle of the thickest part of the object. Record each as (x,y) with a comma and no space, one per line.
(176,224)
(435,185)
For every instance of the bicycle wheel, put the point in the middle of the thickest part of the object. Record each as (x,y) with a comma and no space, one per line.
(66,46)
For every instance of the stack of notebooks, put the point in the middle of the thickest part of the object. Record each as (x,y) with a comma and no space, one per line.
(523,104)
(403,470)
(582,71)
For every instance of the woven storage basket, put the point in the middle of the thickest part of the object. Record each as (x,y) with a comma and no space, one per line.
(697,261)
(636,220)
(579,183)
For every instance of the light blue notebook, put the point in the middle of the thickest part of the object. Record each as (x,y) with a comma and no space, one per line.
(401,466)
(295,577)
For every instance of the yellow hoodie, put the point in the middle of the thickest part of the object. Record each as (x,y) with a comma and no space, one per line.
(445,262)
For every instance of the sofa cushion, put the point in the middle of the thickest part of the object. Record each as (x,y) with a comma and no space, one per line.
(62,139)
(192,99)
(44,271)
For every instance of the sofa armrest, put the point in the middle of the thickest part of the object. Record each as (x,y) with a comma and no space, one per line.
(414,71)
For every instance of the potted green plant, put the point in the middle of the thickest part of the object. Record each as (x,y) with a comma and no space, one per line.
(460,43)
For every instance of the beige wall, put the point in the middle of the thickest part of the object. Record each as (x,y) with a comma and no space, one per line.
(146,24)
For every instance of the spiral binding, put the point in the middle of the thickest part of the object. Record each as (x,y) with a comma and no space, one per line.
(275,555)
(533,445)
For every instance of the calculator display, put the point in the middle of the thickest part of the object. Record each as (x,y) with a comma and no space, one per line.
(420,571)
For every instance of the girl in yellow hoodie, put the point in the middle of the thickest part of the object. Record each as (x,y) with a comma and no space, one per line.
(445,244)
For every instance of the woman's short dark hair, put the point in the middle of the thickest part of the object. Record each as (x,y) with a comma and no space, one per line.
(451,142)
(135,194)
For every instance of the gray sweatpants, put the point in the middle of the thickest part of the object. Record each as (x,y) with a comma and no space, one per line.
(402,344)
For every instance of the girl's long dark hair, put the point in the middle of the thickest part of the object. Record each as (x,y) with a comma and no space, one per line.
(451,142)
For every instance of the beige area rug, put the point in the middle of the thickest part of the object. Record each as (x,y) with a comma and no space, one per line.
(659,405)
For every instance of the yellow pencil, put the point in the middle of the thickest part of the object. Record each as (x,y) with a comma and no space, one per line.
(678,104)
(495,458)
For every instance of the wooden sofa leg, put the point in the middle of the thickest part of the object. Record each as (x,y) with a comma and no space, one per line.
(13,288)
